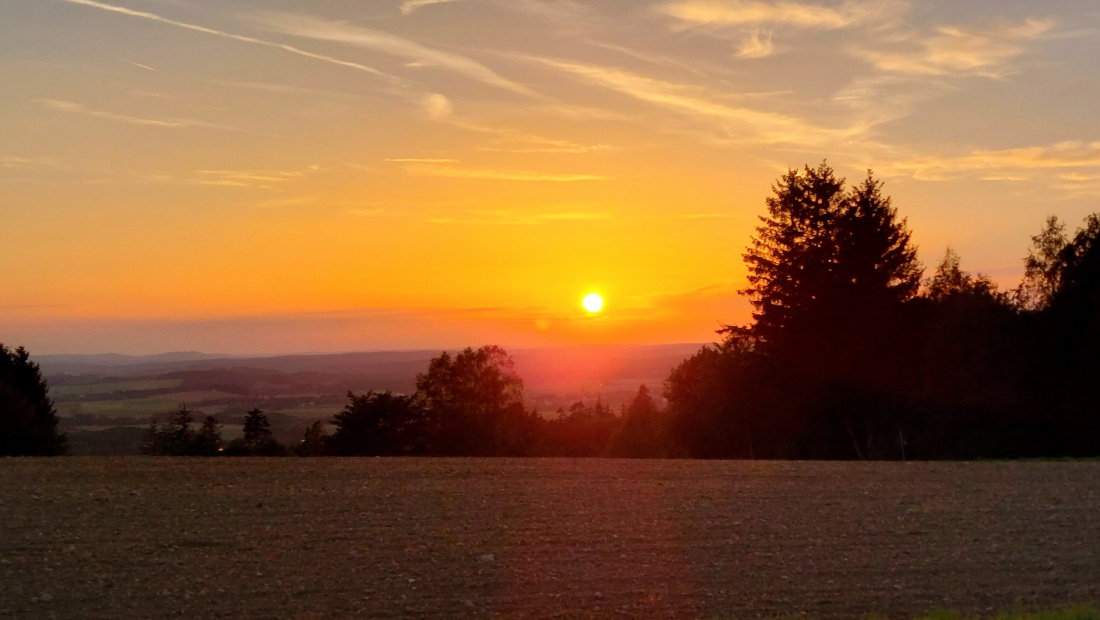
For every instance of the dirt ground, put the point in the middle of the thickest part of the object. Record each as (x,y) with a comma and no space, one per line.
(388,538)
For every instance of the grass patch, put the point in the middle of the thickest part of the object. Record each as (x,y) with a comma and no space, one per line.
(1076,612)
(95,388)
(310,411)
(138,407)
(1073,612)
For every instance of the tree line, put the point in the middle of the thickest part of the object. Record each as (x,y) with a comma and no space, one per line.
(468,404)
(852,353)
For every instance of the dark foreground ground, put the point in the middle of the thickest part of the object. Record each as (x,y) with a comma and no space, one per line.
(382,538)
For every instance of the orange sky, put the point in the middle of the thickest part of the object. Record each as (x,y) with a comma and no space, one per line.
(253,177)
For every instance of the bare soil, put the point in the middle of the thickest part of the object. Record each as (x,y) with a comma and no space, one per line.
(541,538)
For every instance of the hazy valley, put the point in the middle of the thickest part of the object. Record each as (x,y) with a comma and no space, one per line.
(105,402)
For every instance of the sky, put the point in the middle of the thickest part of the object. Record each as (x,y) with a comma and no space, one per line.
(290,176)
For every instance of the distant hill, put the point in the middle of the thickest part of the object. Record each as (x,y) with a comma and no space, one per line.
(95,391)
(65,363)
(544,368)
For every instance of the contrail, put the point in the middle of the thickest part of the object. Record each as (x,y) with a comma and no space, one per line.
(138,64)
(228,35)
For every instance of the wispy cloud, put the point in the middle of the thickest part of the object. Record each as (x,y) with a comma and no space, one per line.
(358,212)
(264,179)
(284,202)
(563,11)
(421,160)
(1078,185)
(954,50)
(752,12)
(771,127)
(572,215)
(295,90)
(408,7)
(712,216)
(655,59)
(437,106)
(756,45)
(243,178)
(26,163)
(512,141)
(1005,163)
(506,217)
(420,56)
(507,139)
(228,35)
(1078,177)
(78,108)
(449,168)
(536,144)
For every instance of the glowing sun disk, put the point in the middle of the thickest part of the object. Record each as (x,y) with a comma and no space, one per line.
(592,302)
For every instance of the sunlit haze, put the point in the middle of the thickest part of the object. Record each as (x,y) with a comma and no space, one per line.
(266,177)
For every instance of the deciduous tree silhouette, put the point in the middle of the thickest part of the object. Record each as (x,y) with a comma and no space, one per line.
(1043,266)
(1073,322)
(380,424)
(724,402)
(950,280)
(1077,296)
(28,421)
(474,402)
(970,367)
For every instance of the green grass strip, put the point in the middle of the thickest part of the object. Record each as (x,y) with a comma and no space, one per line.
(1076,612)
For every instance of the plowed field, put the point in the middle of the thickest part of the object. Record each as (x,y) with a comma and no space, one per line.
(388,538)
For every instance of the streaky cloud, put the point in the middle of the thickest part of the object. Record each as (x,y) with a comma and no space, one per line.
(78,108)
(573,215)
(228,35)
(17,162)
(505,217)
(959,51)
(711,216)
(366,212)
(514,141)
(340,32)
(1004,164)
(564,11)
(295,90)
(408,7)
(793,14)
(421,160)
(450,170)
(769,126)
(246,178)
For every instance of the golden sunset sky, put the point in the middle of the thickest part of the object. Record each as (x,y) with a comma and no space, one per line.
(265,177)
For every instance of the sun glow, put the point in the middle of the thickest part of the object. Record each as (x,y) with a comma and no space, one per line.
(592,302)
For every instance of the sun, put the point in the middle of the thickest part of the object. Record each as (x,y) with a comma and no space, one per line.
(592,302)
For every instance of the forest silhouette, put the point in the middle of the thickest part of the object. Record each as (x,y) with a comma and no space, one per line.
(851,354)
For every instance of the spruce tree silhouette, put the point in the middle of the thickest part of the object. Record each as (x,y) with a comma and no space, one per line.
(829,272)
(28,421)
